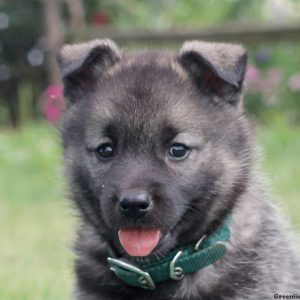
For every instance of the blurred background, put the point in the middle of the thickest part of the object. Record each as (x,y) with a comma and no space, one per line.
(36,221)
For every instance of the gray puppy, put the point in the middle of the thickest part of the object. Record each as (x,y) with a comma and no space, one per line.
(159,158)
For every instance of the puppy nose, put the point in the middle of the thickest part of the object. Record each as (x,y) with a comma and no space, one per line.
(134,204)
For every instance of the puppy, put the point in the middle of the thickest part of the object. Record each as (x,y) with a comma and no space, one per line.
(159,159)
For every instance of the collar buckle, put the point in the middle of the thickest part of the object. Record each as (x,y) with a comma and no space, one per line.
(198,244)
(144,279)
(176,273)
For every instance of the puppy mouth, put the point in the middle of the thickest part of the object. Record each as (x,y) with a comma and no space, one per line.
(139,242)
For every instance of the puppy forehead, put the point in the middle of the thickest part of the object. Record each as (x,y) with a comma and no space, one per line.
(144,95)
(144,59)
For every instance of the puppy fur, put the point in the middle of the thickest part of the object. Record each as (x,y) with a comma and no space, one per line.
(142,103)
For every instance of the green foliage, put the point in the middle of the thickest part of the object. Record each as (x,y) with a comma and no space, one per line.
(212,12)
(162,14)
(273,93)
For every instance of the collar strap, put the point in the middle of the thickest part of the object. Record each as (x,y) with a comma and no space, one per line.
(176,264)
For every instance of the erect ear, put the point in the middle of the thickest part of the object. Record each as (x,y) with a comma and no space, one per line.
(217,68)
(81,64)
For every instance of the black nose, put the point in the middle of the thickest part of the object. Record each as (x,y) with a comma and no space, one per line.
(134,204)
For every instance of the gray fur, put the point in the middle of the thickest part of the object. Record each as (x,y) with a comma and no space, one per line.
(142,103)
(72,57)
(227,60)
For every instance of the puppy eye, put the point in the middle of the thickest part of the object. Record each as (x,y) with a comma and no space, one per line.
(105,151)
(178,151)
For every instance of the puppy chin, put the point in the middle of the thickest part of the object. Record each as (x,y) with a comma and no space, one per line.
(166,244)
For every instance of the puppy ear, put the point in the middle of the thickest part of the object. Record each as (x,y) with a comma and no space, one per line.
(217,68)
(81,64)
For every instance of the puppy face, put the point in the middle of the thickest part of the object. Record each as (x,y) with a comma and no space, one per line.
(155,145)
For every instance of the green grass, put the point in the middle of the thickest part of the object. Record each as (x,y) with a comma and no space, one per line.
(36,224)
(281,163)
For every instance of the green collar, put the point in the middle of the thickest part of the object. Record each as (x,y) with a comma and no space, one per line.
(177,263)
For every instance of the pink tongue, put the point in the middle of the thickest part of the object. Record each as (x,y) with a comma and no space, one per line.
(137,242)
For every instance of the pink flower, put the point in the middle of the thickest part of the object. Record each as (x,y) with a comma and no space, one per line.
(252,78)
(274,76)
(266,83)
(53,114)
(54,91)
(252,74)
(52,103)
(294,82)
(269,86)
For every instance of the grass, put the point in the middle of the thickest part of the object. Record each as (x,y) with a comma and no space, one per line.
(281,164)
(36,224)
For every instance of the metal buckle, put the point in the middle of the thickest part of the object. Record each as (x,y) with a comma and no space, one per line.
(197,246)
(176,273)
(145,278)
